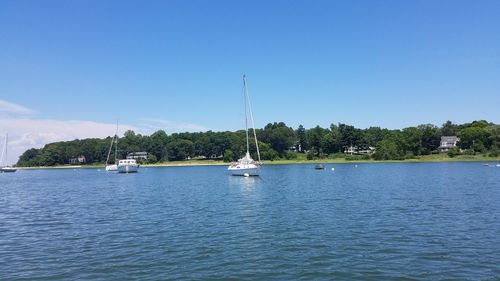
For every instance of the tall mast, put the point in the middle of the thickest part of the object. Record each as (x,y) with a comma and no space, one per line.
(245,95)
(3,151)
(114,140)
(109,150)
(6,143)
(116,136)
(253,123)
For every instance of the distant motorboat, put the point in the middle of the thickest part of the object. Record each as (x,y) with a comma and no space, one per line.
(491,165)
(6,168)
(319,167)
(246,166)
(127,166)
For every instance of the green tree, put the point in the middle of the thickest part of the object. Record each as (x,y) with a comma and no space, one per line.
(151,159)
(372,135)
(413,140)
(453,151)
(229,155)
(493,132)
(301,136)
(349,135)
(332,142)
(266,152)
(29,158)
(495,151)
(431,138)
(478,146)
(51,155)
(180,149)
(279,136)
(158,145)
(449,129)
(388,150)
(468,136)
(314,138)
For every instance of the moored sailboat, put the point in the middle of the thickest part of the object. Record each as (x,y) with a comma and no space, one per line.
(122,165)
(246,166)
(6,168)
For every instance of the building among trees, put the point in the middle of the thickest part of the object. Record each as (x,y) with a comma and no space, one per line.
(448,142)
(78,160)
(138,155)
(359,150)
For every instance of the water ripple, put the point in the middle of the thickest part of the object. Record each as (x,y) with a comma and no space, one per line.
(375,222)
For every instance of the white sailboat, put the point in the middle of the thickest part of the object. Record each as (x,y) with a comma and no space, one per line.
(122,165)
(6,168)
(246,166)
(114,140)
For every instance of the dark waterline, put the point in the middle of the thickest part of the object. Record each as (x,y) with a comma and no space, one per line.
(410,221)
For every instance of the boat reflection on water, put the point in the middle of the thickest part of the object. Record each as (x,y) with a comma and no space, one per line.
(245,183)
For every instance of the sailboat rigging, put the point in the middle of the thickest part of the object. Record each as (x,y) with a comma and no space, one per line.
(246,166)
(6,168)
(114,140)
(122,165)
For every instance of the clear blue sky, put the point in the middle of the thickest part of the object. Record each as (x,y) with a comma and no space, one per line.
(384,63)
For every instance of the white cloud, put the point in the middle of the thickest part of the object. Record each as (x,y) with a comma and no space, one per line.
(26,133)
(10,107)
(154,124)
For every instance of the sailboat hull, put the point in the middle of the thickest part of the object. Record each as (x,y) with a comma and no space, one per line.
(112,168)
(244,170)
(7,170)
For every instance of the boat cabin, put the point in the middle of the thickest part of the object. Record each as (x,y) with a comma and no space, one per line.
(127,162)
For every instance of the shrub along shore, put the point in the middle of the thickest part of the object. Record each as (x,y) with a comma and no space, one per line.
(280,144)
(186,163)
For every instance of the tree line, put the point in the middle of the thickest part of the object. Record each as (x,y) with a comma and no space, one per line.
(279,141)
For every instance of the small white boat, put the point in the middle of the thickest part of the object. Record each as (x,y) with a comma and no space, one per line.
(112,168)
(127,166)
(6,169)
(246,166)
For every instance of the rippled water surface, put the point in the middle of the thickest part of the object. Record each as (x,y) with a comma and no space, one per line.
(370,222)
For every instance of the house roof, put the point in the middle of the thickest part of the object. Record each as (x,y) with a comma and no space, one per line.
(138,153)
(449,138)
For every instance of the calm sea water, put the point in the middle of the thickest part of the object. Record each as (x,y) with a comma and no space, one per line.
(427,221)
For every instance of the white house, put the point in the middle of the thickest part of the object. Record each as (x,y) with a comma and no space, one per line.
(448,142)
(78,160)
(138,155)
(358,150)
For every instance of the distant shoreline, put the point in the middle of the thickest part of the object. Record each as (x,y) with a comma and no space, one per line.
(193,163)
